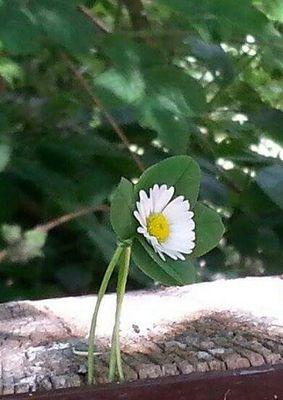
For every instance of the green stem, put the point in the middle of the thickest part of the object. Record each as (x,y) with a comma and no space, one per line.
(119,360)
(100,295)
(115,355)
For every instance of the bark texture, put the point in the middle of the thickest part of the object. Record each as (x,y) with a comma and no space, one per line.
(203,327)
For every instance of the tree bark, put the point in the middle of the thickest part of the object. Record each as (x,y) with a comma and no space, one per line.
(209,326)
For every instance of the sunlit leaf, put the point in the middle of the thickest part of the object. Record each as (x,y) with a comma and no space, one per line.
(182,172)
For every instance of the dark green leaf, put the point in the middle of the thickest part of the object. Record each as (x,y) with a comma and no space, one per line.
(270,179)
(172,98)
(183,272)
(64,25)
(173,130)
(176,91)
(213,190)
(268,242)
(127,54)
(243,234)
(25,26)
(122,207)
(215,58)
(19,31)
(209,229)
(270,120)
(5,153)
(150,267)
(221,15)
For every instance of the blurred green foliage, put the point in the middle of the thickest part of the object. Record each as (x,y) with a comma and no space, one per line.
(203,78)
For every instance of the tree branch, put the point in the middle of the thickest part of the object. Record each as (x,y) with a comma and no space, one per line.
(3,255)
(69,217)
(119,131)
(61,220)
(139,21)
(136,12)
(97,23)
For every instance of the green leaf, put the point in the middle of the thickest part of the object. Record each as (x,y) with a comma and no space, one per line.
(173,130)
(176,90)
(213,190)
(183,272)
(268,242)
(172,98)
(11,233)
(270,120)
(272,8)
(19,31)
(222,15)
(270,180)
(143,261)
(182,172)
(34,240)
(5,153)
(122,207)
(127,54)
(23,247)
(244,18)
(63,23)
(246,243)
(126,86)
(9,70)
(215,58)
(209,229)
(25,26)
(270,90)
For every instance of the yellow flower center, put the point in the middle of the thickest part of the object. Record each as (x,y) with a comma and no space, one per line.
(158,226)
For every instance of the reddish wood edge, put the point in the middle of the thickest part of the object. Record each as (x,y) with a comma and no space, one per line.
(262,383)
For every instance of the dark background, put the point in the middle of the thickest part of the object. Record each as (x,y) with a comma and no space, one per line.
(202,78)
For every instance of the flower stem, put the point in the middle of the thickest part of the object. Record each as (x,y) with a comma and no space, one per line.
(115,355)
(100,295)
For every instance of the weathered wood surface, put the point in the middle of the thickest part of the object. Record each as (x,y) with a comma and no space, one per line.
(256,383)
(203,327)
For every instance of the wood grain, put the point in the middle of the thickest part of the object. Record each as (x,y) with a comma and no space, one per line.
(217,326)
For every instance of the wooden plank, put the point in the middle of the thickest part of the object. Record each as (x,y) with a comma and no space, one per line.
(216,326)
(254,384)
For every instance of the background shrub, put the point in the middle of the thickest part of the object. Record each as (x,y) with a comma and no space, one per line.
(93,90)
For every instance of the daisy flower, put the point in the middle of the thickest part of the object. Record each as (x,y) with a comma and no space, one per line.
(166,224)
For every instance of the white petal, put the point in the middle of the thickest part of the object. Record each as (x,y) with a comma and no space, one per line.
(181,256)
(154,195)
(168,252)
(141,210)
(176,207)
(162,196)
(146,202)
(185,248)
(181,234)
(141,230)
(185,227)
(140,218)
(161,255)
